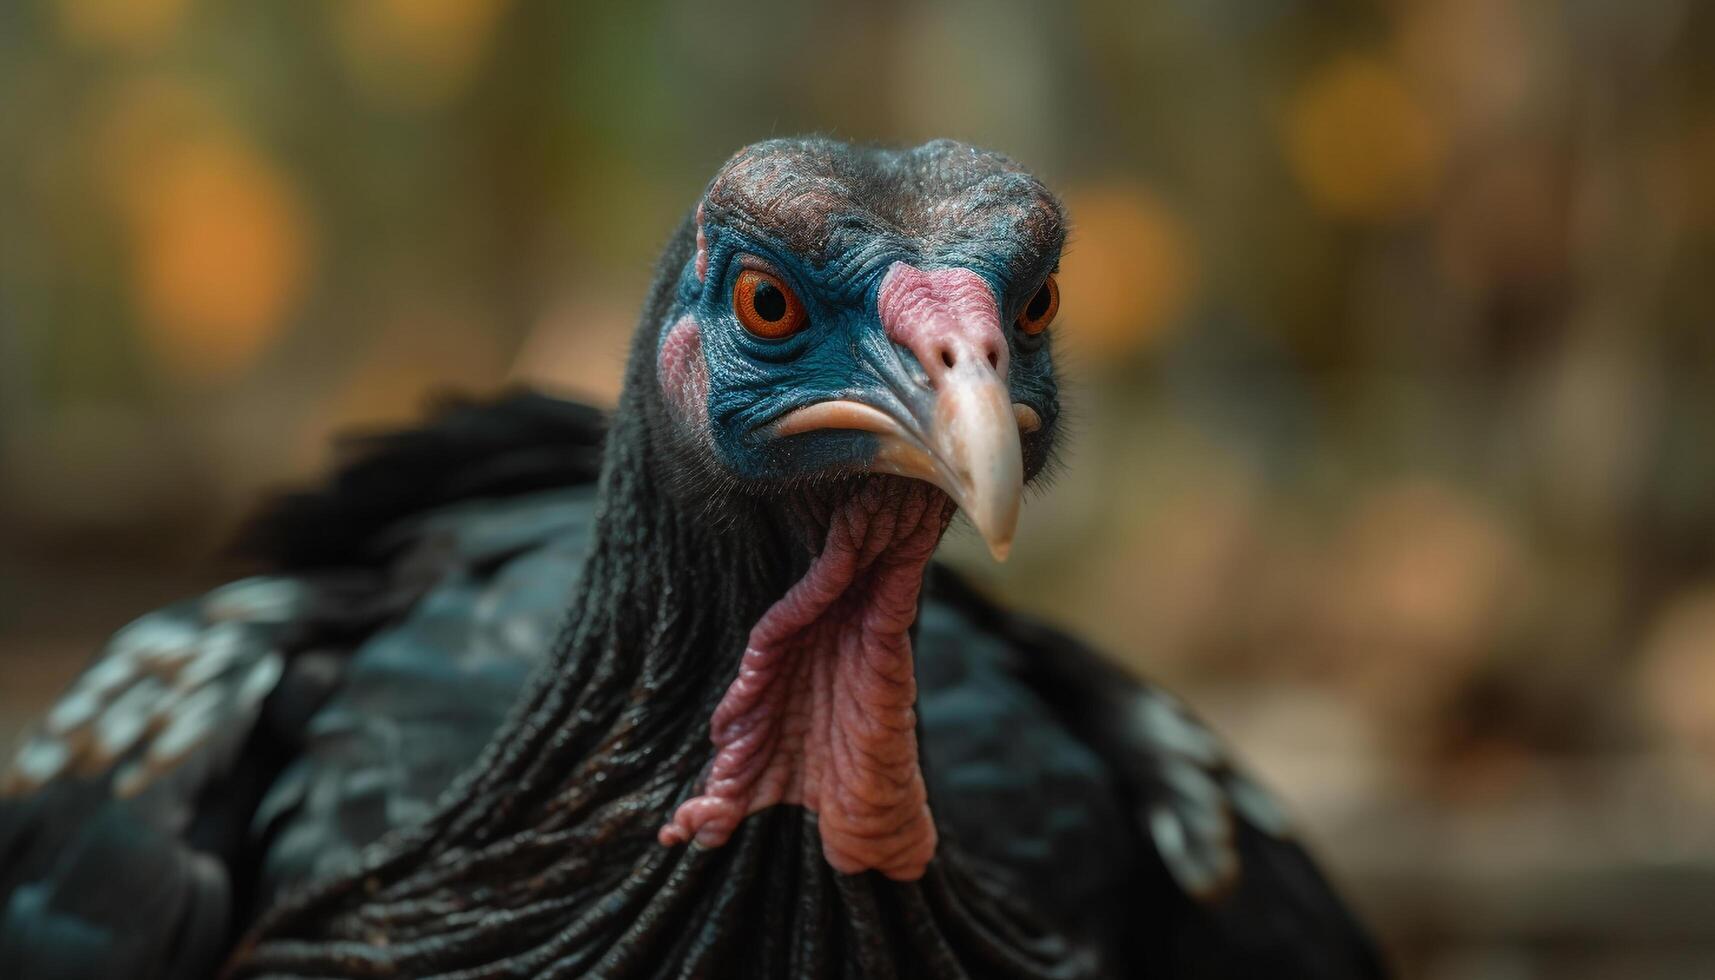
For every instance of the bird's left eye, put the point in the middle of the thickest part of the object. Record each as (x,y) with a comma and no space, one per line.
(766,306)
(1039,312)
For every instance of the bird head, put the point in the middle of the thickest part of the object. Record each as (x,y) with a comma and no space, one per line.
(853,310)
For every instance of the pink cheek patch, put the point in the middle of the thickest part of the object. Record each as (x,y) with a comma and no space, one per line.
(684,378)
(702,247)
(944,317)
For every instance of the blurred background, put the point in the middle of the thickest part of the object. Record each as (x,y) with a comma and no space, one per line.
(1389,329)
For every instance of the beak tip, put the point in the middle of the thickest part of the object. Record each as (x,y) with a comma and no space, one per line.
(997,530)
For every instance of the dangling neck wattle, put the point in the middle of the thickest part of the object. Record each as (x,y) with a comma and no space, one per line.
(823,710)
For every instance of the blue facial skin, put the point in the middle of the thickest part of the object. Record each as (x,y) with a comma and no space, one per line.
(842,353)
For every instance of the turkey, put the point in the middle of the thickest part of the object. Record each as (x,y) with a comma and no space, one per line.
(679,691)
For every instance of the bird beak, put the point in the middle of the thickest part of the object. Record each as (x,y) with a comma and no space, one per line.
(973,450)
(963,438)
(951,419)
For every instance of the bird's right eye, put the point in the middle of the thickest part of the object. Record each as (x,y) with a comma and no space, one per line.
(766,306)
(1039,312)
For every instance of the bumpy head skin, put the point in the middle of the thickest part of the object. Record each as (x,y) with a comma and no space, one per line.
(912,268)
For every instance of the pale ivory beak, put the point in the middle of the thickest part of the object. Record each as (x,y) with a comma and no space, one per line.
(965,442)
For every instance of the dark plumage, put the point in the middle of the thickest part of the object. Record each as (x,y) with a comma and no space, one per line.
(463,726)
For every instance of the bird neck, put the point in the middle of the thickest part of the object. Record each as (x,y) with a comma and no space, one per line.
(822,710)
(544,857)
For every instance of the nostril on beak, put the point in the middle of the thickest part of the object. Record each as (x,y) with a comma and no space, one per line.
(941,358)
(946,318)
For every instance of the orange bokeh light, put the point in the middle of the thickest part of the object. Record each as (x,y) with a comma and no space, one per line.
(1359,142)
(120,23)
(220,250)
(414,53)
(1130,269)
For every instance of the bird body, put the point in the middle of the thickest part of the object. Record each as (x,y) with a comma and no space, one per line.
(681,692)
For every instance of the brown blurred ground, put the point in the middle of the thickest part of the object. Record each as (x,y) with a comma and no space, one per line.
(1389,325)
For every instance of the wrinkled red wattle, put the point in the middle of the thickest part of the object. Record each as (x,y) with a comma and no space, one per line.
(823,711)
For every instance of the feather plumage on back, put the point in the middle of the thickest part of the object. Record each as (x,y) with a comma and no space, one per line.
(705,709)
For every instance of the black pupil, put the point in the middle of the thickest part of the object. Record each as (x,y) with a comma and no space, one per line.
(1039,303)
(769,302)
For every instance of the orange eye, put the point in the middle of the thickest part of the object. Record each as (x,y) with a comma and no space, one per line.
(1039,312)
(766,306)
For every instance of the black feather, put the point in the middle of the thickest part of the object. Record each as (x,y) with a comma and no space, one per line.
(98,892)
(1272,915)
(401,668)
(468,449)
